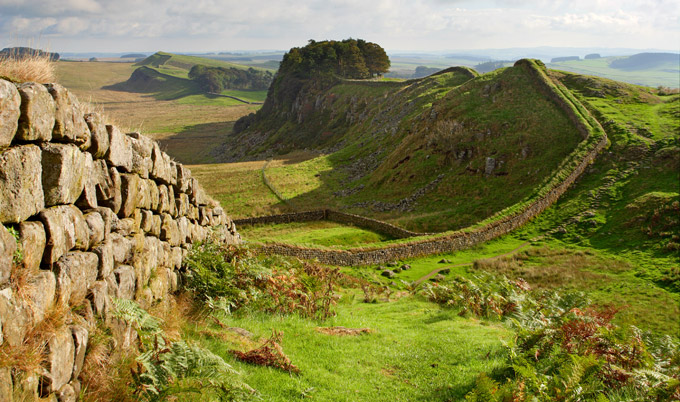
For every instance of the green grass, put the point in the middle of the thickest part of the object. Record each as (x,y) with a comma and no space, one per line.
(665,75)
(318,233)
(417,351)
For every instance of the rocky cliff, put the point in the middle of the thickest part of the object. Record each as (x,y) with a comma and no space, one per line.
(87,214)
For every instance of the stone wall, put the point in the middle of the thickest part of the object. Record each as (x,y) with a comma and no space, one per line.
(335,216)
(87,213)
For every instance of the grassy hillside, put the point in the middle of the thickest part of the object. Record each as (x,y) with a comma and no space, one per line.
(433,154)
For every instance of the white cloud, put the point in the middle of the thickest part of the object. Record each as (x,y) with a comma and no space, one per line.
(396,24)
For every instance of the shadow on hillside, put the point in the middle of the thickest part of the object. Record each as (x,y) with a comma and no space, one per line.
(195,144)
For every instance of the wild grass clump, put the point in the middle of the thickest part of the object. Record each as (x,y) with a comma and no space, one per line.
(564,349)
(34,67)
(176,369)
(230,278)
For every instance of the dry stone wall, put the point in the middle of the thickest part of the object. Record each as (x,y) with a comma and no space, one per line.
(87,213)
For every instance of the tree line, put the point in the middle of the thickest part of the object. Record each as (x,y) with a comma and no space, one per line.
(217,79)
(350,58)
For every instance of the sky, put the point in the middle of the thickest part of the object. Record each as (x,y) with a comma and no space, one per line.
(397,25)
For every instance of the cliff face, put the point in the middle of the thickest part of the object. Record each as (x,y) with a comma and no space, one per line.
(87,214)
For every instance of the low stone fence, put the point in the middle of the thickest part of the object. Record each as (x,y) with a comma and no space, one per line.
(335,216)
(87,214)
(595,141)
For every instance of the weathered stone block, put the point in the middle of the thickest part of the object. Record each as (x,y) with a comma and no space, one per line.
(108,216)
(115,200)
(142,147)
(6,386)
(160,285)
(96,228)
(63,173)
(154,195)
(66,229)
(21,190)
(120,150)
(183,178)
(76,273)
(69,124)
(124,227)
(99,142)
(162,170)
(8,245)
(125,275)
(98,294)
(163,199)
(172,207)
(80,338)
(130,184)
(60,358)
(176,257)
(37,113)
(169,230)
(182,204)
(16,318)
(106,260)
(121,248)
(183,228)
(40,294)
(10,110)
(156,226)
(88,198)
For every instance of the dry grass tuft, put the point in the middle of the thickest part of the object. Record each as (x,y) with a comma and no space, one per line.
(34,67)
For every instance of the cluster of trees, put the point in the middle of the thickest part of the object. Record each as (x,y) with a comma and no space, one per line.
(350,58)
(217,79)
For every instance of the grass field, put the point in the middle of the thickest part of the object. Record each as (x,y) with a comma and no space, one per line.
(664,75)
(319,233)
(416,350)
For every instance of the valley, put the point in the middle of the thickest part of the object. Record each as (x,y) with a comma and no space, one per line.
(447,155)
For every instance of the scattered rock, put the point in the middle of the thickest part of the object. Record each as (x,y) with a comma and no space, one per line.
(388,274)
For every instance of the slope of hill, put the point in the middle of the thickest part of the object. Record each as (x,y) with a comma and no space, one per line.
(433,154)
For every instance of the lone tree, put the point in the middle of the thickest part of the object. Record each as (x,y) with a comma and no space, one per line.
(350,58)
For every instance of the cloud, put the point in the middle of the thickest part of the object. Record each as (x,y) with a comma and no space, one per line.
(396,24)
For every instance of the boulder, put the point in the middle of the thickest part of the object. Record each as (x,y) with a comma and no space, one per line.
(38,111)
(489,166)
(66,229)
(32,240)
(21,190)
(8,246)
(60,358)
(106,261)
(69,124)
(80,338)
(66,394)
(76,274)
(125,276)
(142,148)
(120,150)
(388,274)
(99,136)
(10,110)
(64,172)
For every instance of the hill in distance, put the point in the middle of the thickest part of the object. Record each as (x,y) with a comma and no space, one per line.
(166,76)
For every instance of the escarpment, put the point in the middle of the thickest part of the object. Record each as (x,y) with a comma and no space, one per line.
(87,214)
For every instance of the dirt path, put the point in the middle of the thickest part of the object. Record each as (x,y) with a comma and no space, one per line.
(436,271)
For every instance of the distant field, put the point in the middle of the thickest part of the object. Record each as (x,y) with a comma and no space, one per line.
(188,128)
(666,75)
(319,233)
